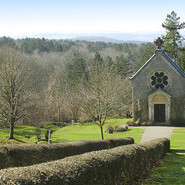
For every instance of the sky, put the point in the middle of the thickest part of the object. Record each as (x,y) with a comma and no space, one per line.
(24,18)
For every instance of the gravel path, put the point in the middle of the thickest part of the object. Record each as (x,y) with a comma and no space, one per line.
(154,132)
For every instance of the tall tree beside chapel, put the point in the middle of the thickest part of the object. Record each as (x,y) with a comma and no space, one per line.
(173,39)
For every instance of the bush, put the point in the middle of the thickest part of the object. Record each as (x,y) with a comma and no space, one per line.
(25,155)
(121,165)
(130,123)
(121,129)
(146,124)
(50,124)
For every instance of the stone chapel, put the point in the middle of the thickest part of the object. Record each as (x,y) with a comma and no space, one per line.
(158,90)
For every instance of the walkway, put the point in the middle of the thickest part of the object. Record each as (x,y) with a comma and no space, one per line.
(154,132)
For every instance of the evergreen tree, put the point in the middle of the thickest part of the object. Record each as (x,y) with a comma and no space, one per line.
(76,69)
(173,39)
(121,66)
(146,52)
(181,61)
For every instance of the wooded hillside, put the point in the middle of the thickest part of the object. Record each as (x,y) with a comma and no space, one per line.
(64,83)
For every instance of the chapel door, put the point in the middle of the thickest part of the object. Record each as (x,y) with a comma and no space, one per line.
(159,112)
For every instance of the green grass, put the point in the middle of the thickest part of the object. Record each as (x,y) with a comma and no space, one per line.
(89,131)
(172,169)
(179,130)
(177,141)
(21,134)
(117,121)
(171,172)
(86,131)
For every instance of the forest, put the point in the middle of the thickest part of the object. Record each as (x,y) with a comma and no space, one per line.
(55,80)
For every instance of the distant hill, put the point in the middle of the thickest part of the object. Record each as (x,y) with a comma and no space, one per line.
(102,39)
(111,37)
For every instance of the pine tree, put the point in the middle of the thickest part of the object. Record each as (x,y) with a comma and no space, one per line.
(173,39)
(121,66)
(76,69)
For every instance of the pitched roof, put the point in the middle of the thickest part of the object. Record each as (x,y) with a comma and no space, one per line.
(167,57)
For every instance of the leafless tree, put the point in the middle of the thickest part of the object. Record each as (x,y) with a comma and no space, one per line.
(123,104)
(15,91)
(57,90)
(98,92)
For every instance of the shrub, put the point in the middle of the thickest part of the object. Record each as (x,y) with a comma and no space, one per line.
(121,165)
(50,124)
(143,124)
(29,154)
(130,123)
(121,129)
(137,122)
(146,124)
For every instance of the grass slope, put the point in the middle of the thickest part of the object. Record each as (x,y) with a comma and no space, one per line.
(172,169)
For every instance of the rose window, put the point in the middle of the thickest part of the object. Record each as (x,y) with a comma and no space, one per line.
(159,80)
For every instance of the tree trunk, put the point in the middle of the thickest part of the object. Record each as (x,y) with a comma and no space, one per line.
(58,113)
(12,128)
(101,127)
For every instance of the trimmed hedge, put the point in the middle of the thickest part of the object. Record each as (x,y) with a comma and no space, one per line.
(25,155)
(120,165)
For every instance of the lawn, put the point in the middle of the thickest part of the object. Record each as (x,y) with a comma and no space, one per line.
(179,130)
(89,131)
(171,172)
(178,141)
(22,134)
(172,169)
(117,121)
(86,131)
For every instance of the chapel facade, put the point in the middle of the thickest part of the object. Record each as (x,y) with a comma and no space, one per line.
(158,90)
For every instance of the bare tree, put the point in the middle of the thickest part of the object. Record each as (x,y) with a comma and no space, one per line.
(98,92)
(57,90)
(123,104)
(14,86)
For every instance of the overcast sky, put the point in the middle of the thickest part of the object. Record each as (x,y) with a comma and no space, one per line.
(29,17)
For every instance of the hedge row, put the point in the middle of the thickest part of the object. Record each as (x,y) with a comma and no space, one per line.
(25,155)
(120,165)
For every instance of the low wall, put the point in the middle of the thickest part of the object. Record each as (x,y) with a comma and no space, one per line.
(25,155)
(120,165)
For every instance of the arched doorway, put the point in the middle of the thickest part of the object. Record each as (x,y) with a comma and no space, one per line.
(159,106)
